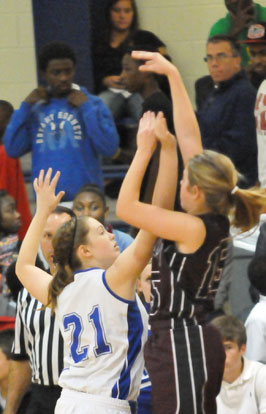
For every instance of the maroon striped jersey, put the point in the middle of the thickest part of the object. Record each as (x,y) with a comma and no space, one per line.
(184,285)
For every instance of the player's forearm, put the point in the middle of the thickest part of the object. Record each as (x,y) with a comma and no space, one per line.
(130,189)
(186,125)
(19,380)
(165,187)
(29,248)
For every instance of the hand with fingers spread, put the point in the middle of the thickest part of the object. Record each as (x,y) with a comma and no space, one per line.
(44,187)
(161,131)
(146,136)
(154,62)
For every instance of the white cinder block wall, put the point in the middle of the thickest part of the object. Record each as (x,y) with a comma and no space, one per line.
(17,59)
(182,24)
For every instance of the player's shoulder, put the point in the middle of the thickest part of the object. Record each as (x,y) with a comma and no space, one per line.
(86,276)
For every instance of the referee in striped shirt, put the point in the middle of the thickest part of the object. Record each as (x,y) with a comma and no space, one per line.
(37,353)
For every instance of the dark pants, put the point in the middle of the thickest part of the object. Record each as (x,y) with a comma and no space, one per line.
(185,366)
(42,399)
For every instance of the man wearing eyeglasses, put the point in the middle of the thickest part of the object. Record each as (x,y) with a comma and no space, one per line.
(226,118)
(241,13)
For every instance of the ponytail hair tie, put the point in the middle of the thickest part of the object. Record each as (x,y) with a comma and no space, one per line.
(235,189)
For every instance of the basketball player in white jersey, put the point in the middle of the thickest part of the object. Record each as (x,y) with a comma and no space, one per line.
(103,323)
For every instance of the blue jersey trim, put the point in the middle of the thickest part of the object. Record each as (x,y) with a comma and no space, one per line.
(135,331)
(114,294)
(86,270)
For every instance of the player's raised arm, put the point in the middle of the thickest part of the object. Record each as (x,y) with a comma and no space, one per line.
(35,280)
(186,125)
(156,218)
(122,275)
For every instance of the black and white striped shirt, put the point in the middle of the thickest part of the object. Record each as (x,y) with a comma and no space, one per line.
(37,338)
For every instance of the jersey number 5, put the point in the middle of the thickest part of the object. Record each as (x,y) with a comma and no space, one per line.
(73,321)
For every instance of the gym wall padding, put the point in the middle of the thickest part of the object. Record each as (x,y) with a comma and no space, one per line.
(67,21)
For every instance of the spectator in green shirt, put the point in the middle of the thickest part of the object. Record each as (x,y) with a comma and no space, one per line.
(240,14)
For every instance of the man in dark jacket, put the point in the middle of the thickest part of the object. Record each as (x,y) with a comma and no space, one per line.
(226,118)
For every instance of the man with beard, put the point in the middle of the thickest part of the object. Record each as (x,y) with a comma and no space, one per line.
(256,41)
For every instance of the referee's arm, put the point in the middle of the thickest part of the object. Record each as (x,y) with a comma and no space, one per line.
(19,380)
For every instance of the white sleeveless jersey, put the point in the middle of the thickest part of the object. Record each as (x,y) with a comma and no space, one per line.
(104,336)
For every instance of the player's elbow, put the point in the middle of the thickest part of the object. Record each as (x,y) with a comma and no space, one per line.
(20,270)
(120,210)
(125,211)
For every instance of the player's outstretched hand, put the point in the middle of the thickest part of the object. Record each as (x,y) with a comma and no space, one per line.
(154,62)
(161,130)
(146,135)
(44,187)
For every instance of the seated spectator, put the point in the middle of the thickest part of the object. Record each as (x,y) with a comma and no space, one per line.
(121,30)
(63,125)
(10,223)
(147,84)
(243,388)
(6,340)
(255,49)
(236,22)
(256,321)
(256,41)
(226,119)
(261,242)
(260,251)
(144,37)
(155,100)
(90,201)
(203,87)
(11,176)
(256,44)
(121,19)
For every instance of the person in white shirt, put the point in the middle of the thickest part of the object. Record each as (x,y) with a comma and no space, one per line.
(243,389)
(256,72)
(256,321)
